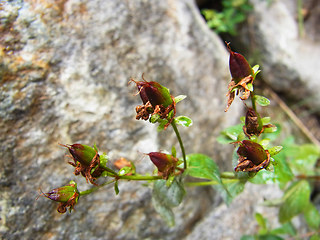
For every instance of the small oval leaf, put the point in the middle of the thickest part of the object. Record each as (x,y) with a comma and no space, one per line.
(179,98)
(275,150)
(262,101)
(183,121)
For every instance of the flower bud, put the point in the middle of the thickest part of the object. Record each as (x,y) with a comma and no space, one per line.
(85,159)
(67,196)
(153,92)
(239,66)
(165,163)
(81,153)
(252,151)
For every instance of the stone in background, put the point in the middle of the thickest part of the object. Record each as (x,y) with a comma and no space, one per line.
(65,67)
(289,61)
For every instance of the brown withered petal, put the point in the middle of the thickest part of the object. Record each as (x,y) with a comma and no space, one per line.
(122,162)
(251,126)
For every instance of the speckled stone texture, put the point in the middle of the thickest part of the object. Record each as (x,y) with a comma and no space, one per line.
(65,67)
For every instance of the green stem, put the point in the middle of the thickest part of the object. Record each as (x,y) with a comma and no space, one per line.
(134,178)
(254,106)
(86,192)
(225,176)
(174,126)
(300,18)
(228,175)
(109,170)
(139,178)
(253,101)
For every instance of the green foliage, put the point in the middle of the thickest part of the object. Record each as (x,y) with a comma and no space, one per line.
(165,198)
(255,158)
(262,101)
(295,199)
(231,134)
(226,21)
(183,121)
(230,189)
(202,166)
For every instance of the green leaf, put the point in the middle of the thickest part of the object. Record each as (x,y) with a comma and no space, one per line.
(154,118)
(179,98)
(269,237)
(286,228)
(164,198)
(264,142)
(116,187)
(230,134)
(263,177)
(304,159)
(262,223)
(174,151)
(262,101)
(170,196)
(164,211)
(282,170)
(255,68)
(275,150)
(125,170)
(312,216)
(315,237)
(265,120)
(250,87)
(230,189)
(247,237)
(183,121)
(103,159)
(162,123)
(295,199)
(202,166)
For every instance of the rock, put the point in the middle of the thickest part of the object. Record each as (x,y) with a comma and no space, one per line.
(288,59)
(237,219)
(65,67)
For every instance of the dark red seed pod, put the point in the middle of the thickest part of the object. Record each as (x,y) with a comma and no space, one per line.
(153,92)
(252,151)
(239,66)
(251,124)
(162,161)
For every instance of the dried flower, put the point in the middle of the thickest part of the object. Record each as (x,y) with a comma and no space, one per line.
(67,196)
(252,157)
(242,75)
(166,164)
(86,161)
(252,125)
(156,100)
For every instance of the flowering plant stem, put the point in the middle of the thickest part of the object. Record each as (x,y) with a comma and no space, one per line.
(226,176)
(125,177)
(174,126)
(93,189)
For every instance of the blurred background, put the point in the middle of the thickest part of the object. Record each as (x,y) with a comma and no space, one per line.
(65,67)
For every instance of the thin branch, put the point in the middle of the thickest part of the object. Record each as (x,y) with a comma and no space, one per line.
(293,117)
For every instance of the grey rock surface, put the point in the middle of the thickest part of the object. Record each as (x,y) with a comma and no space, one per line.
(237,219)
(288,58)
(65,67)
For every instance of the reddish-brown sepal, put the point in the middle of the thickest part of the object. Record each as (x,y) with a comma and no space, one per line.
(252,157)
